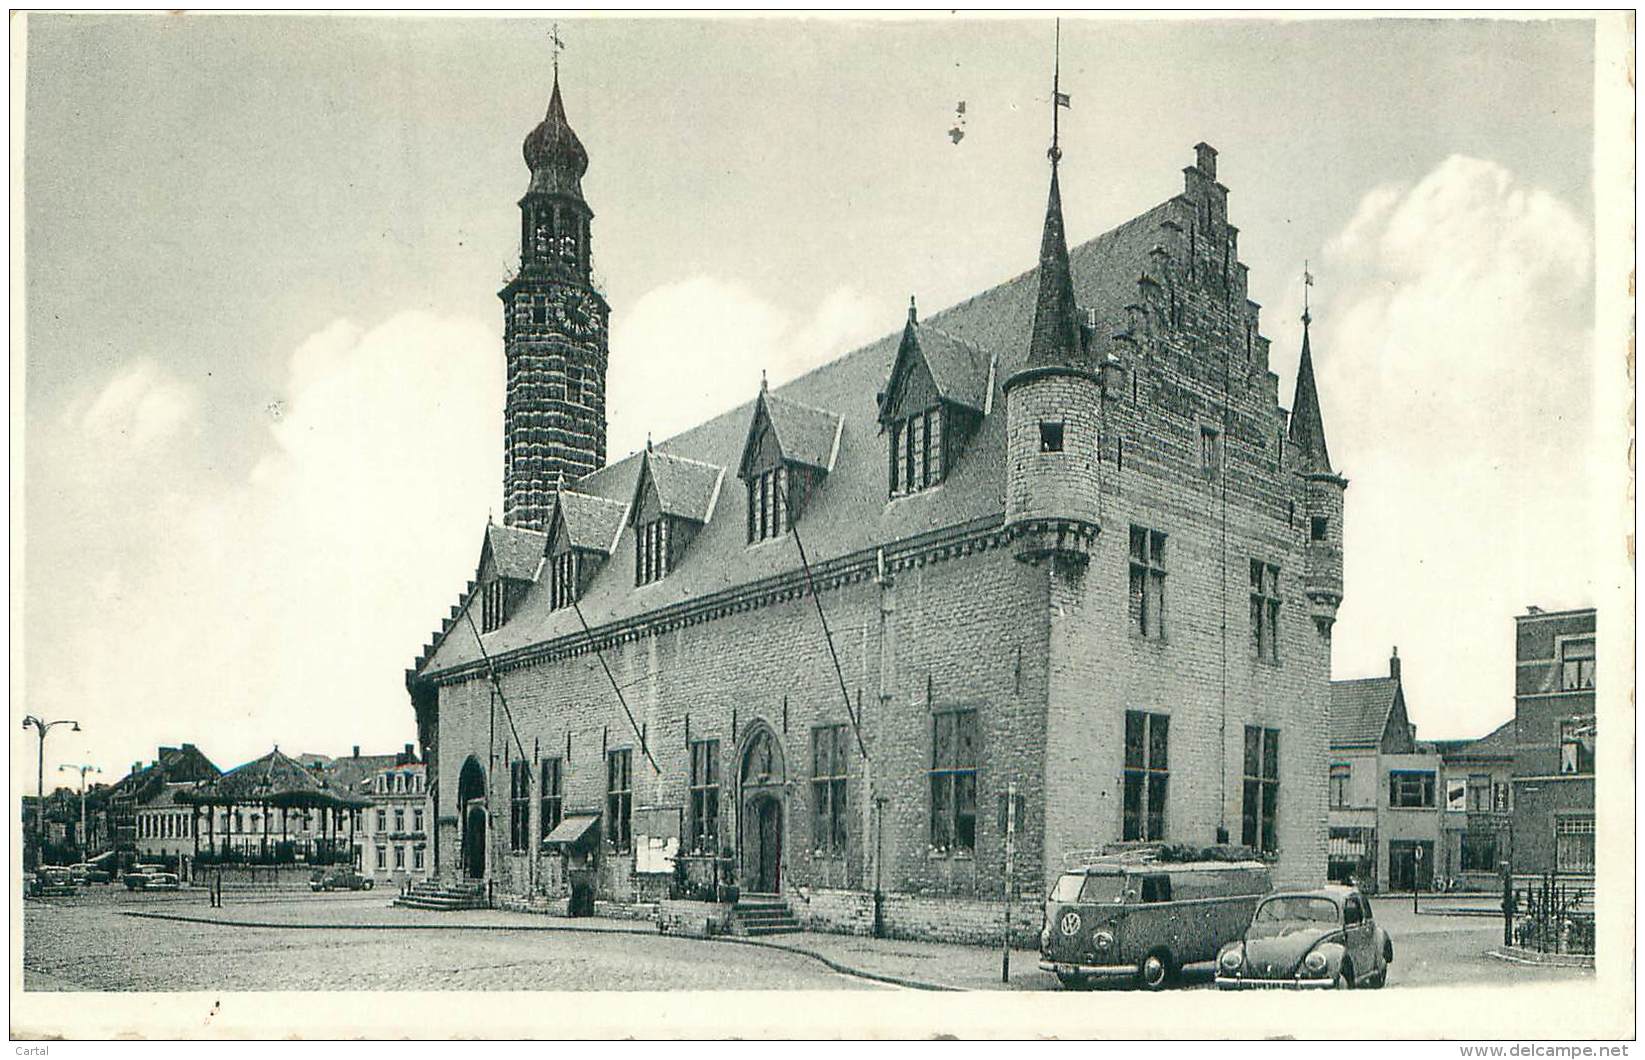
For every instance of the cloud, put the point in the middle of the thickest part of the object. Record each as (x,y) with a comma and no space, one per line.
(687,351)
(141,405)
(1454,348)
(286,606)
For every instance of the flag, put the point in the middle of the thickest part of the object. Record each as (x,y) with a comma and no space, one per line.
(1062,99)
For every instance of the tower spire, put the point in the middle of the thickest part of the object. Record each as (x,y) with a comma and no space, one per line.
(1058,100)
(1307,433)
(1055,339)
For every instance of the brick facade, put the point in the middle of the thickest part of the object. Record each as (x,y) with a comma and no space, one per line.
(935,606)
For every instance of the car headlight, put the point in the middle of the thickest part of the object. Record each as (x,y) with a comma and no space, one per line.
(1230,960)
(1314,962)
(1102,940)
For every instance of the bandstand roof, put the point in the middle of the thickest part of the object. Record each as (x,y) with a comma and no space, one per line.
(273,780)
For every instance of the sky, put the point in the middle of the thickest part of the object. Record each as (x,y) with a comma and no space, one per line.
(262,372)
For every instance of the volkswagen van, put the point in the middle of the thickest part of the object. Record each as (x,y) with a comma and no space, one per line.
(1144,919)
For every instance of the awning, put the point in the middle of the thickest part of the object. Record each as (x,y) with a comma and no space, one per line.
(574,832)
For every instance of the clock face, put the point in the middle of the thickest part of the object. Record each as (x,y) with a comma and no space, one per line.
(580,313)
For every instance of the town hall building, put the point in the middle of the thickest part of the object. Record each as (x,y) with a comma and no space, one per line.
(1059,539)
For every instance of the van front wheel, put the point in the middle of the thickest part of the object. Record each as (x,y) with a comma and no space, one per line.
(1155,970)
(1071,982)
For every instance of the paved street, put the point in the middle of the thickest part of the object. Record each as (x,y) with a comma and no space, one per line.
(88,944)
(359,942)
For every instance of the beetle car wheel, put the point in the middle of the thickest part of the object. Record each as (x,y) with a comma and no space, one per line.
(1344,979)
(1071,982)
(1154,971)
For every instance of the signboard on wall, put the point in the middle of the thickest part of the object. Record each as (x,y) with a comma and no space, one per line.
(656,838)
(1456,794)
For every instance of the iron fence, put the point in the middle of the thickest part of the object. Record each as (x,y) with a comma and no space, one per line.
(1548,915)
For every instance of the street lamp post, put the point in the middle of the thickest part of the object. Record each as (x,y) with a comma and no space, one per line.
(82,770)
(40,779)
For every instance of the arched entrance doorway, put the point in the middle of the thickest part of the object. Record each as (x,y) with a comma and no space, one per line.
(471,801)
(760,781)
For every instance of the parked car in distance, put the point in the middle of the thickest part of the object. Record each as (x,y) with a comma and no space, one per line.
(52,880)
(139,876)
(85,872)
(338,879)
(1325,938)
(163,881)
(1131,916)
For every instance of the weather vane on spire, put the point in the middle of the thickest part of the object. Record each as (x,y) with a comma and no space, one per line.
(1058,97)
(1307,282)
(558,45)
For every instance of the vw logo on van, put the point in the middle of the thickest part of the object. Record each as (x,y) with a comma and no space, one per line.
(1070,922)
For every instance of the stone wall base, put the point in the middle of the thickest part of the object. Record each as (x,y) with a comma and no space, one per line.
(930,918)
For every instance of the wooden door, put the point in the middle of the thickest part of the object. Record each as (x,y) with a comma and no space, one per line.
(771,845)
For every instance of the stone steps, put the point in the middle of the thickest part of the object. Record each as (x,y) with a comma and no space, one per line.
(753,917)
(428,894)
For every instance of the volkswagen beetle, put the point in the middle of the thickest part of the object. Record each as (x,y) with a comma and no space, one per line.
(1300,940)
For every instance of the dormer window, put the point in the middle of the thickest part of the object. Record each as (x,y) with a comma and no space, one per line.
(939,389)
(651,551)
(916,453)
(674,497)
(768,504)
(562,580)
(491,606)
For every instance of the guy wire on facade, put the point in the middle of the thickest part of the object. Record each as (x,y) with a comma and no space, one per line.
(645,747)
(468,613)
(828,637)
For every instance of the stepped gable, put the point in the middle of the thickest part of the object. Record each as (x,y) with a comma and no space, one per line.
(849,514)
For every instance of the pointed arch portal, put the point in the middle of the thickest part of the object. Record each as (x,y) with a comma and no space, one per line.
(471,801)
(761,779)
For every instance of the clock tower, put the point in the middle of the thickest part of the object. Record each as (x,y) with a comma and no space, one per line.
(554,331)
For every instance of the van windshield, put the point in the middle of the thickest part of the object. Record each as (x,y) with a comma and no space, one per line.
(1078,887)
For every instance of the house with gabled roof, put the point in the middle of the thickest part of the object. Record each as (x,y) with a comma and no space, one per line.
(1005,550)
(1477,825)
(1383,787)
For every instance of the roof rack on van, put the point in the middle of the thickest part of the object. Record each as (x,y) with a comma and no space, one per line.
(1155,852)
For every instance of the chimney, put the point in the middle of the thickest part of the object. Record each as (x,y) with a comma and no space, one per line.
(356,750)
(411,754)
(1205,159)
(1393,664)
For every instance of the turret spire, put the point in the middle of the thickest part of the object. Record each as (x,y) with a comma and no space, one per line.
(1307,434)
(1055,339)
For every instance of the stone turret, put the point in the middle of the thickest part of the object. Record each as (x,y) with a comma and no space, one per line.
(1052,408)
(1322,494)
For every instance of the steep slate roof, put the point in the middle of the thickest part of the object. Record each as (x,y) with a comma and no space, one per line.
(591,522)
(805,435)
(165,796)
(1359,710)
(1055,339)
(1498,743)
(1307,433)
(186,762)
(686,488)
(850,512)
(515,551)
(959,369)
(353,774)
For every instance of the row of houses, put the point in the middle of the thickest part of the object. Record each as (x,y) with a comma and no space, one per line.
(1456,814)
(368,811)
